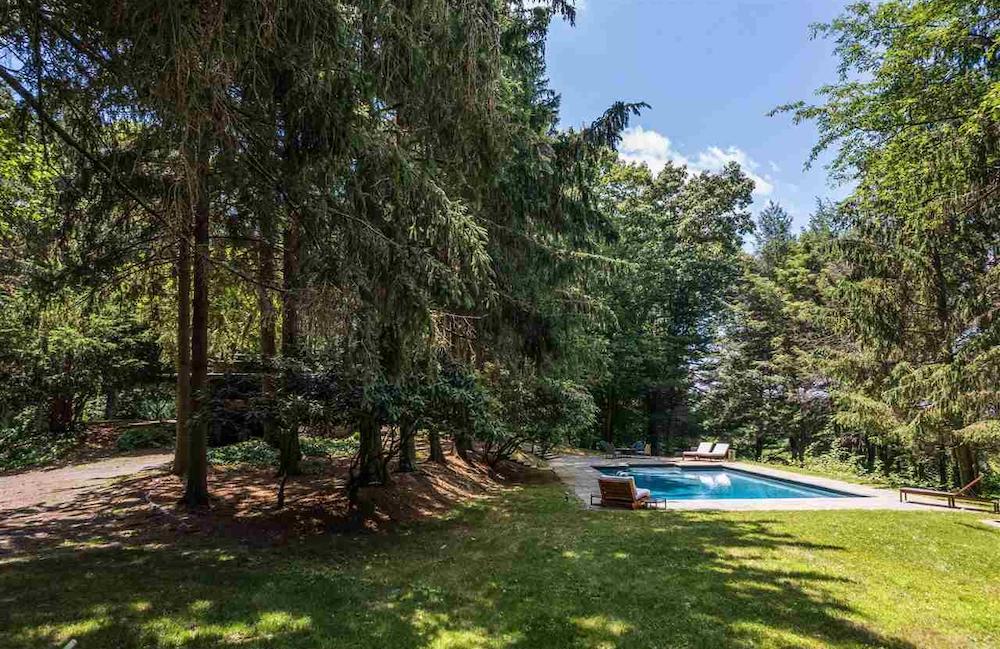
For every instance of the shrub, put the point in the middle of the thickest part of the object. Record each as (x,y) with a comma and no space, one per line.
(23,446)
(146,437)
(258,453)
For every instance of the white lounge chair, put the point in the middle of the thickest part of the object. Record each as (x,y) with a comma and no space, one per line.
(719,452)
(703,449)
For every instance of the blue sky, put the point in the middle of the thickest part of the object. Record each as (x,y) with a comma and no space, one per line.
(711,70)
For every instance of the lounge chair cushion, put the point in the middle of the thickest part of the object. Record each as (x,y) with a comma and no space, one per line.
(720,451)
(704,447)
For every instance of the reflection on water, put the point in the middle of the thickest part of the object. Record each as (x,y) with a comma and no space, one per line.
(675,483)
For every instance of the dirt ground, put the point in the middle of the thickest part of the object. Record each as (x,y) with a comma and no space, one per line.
(134,499)
(50,487)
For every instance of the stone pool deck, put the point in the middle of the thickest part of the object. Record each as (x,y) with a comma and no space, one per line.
(579,474)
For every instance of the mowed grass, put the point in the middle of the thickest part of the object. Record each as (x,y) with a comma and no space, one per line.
(531,569)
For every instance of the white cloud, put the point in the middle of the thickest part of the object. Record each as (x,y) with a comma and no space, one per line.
(654,149)
(774,166)
(648,147)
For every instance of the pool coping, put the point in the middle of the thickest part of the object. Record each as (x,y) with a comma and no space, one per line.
(731,466)
(579,473)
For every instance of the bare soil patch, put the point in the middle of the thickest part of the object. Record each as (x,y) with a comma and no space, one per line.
(133,500)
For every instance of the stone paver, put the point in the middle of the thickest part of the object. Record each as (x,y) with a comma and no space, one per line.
(579,474)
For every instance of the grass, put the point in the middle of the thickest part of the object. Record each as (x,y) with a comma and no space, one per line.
(532,570)
(835,472)
(843,471)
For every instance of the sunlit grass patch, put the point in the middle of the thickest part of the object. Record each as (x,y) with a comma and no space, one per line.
(530,569)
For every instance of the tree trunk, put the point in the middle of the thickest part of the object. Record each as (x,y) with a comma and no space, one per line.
(607,419)
(61,403)
(407,447)
(437,450)
(265,278)
(110,403)
(290,281)
(758,446)
(369,450)
(196,486)
(965,459)
(284,435)
(463,445)
(660,403)
(290,449)
(183,389)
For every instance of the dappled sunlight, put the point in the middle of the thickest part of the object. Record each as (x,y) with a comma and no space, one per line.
(531,570)
(602,624)
(441,633)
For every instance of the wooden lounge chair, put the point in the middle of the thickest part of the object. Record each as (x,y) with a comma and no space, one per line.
(620,491)
(961,495)
(703,448)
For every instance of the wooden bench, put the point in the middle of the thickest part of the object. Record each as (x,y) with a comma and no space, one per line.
(957,495)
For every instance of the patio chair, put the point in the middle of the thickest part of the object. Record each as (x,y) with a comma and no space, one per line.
(620,491)
(703,448)
(607,448)
(962,495)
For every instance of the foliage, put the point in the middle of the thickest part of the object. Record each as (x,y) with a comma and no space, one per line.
(529,411)
(23,446)
(678,235)
(871,337)
(258,453)
(145,437)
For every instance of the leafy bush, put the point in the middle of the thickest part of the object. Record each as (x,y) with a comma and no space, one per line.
(50,373)
(146,437)
(24,446)
(258,453)
(528,410)
(328,447)
(252,452)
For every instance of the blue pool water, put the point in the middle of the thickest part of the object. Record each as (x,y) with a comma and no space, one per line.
(688,483)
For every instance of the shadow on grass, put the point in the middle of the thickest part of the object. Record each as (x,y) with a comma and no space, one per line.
(531,571)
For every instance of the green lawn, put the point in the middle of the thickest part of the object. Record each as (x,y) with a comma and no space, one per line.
(533,570)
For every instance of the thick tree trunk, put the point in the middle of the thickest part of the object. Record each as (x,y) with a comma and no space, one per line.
(196,484)
(436,449)
(407,447)
(369,451)
(183,363)
(463,445)
(965,459)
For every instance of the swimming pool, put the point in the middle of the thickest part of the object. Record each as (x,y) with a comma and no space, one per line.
(710,483)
